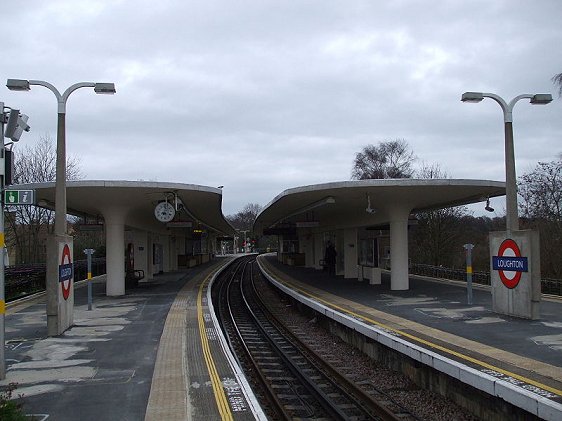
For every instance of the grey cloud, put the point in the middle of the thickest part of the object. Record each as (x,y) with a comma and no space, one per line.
(261,95)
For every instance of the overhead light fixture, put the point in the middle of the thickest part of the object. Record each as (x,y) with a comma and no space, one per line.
(488,207)
(536,99)
(369,209)
(472,97)
(104,88)
(18,85)
(541,99)
(511,211)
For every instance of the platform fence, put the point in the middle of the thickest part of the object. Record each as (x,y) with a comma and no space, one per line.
(548,286)
(22,280)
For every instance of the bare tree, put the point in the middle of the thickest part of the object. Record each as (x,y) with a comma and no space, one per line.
(28,225)
(557,79)
(389,159)
(541,205)
(437,239)
(244,220)
(541,190)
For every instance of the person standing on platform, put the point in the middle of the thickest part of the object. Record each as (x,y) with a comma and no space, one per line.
(330,258)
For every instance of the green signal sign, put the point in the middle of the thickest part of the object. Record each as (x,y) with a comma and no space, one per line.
(19,197)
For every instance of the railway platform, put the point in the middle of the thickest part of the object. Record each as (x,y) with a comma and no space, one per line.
(153,354)
(516,359)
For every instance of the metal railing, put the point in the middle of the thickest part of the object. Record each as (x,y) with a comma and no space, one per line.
(548,286)
(22,280)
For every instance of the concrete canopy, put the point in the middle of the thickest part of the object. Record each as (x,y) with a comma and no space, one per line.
(131,204)
(137,200)
(350,205)
(343,204)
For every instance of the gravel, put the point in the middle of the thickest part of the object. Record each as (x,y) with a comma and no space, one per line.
(424,404)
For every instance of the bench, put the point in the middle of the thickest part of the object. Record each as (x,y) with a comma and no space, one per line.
(132,277)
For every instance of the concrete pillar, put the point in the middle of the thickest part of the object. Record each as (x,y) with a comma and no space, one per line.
(350,253)
(115,250)
(399,279)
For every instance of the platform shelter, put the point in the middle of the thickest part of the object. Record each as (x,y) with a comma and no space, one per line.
(366,220)
(136,240)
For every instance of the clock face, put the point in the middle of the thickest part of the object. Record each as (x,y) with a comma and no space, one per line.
(164,212)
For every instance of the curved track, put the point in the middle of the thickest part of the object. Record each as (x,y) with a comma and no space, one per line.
(293,382)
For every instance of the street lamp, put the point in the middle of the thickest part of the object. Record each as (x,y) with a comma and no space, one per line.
(60,183)
(59,312)
(512,218)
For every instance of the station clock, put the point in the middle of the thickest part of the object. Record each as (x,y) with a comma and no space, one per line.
(164,212)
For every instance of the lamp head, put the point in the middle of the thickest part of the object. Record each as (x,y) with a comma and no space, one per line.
(541,99)
(472,97)
(104,88)
(488,207)
(18,85)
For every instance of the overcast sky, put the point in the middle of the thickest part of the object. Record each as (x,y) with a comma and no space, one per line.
(261,96)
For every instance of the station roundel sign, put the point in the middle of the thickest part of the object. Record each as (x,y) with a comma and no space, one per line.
(509,251)
(65,272)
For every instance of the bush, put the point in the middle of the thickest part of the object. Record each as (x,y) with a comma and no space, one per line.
(11,410)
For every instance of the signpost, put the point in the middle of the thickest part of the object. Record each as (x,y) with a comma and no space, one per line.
(66,272)
(89,253)
(515,273)
(468,248)
(60,285)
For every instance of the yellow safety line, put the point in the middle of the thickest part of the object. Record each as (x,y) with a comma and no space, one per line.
(2,307)
(423,341)
(220,397)
(2,244)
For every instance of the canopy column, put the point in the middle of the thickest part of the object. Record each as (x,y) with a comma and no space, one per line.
(399,279)
(115,250)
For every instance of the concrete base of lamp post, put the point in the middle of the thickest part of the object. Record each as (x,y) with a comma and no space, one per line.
(516,292)
(59,284)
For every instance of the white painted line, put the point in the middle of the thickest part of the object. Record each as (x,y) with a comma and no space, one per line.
(257,411)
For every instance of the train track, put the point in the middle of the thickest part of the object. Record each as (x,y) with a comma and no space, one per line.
(292,380)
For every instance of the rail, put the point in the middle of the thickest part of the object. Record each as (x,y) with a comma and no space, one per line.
(304,386)
(22,280)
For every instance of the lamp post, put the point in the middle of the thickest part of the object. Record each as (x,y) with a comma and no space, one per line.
(60,183)
(60,300)
(512,218)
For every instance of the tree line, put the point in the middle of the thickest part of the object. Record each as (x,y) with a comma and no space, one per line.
(27,227)
(439,235)
(437,239)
